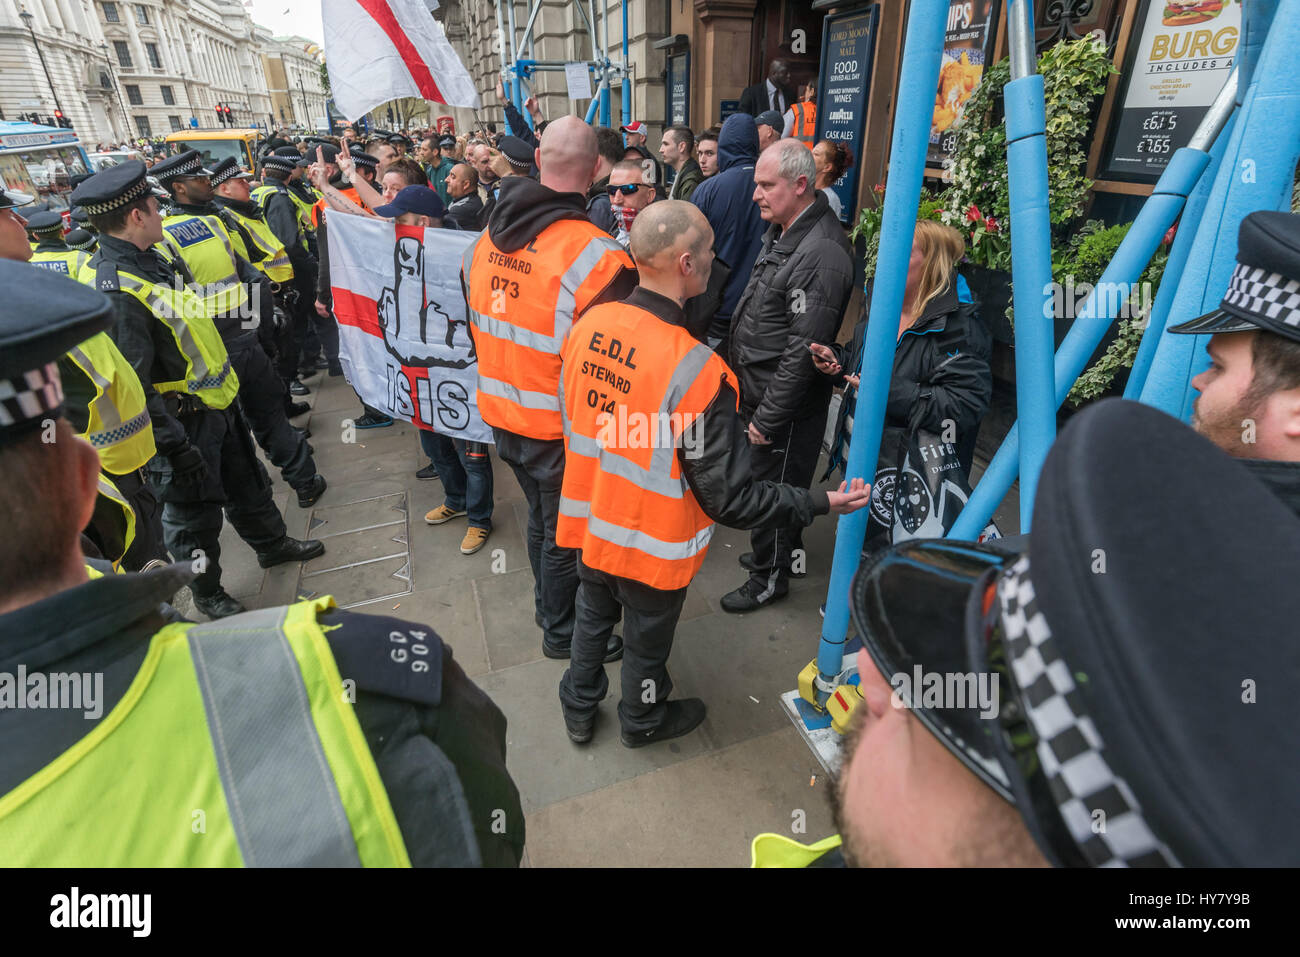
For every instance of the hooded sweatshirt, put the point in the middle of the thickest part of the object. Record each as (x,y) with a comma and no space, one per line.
(727,202)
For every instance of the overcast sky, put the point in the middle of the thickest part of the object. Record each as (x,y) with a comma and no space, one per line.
(288,17)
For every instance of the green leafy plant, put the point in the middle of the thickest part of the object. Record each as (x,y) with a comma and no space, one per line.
(1086,258)
(869,221)
(978,202)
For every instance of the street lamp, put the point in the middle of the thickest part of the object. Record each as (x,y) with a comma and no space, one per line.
(116,92)
(27,19)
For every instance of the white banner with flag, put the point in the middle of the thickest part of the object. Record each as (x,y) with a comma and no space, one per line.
(404,339)
(382,50)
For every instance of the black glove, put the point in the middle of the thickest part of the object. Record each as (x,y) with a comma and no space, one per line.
(188,468)
(279,319)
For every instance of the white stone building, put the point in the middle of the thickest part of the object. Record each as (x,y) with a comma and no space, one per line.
(292,69)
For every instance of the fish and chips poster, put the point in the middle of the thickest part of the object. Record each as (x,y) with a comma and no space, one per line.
(967,44)
(1180,56)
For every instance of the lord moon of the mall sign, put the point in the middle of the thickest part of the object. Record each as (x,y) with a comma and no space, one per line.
(1178,60)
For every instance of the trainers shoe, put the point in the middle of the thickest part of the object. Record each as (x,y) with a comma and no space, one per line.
(428,472)
(369,421)
(680,717)
(310,493)
(297,388)
(475,538)
(747,561)
(218,605)
(745,598)
(443,513)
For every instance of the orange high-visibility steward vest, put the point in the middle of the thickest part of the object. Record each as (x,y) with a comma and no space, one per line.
(805,123)
(522,304)
(632,384)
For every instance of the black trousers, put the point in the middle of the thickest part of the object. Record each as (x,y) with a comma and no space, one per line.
(792,459)
(649,623)
(261,397)
(539,467)
(148,544)
(236,483)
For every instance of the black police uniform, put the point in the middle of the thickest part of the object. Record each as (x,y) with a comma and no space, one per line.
(1263,296)
(262,394)
(205,461)
(282,216)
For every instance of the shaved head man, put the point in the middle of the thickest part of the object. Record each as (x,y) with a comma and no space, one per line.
(567,155)
(672,244)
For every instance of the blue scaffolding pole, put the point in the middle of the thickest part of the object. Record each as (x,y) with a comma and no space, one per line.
(517,70)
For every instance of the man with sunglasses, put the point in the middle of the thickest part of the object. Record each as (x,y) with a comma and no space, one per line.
(630,191)
(1142,686)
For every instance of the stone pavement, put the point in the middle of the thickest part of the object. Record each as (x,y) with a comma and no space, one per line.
(695,801)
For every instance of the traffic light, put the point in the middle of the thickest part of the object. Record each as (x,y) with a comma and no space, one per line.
(221,115)
(61,120)
(230,120)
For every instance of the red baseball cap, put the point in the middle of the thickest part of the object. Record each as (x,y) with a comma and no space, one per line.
(634,127)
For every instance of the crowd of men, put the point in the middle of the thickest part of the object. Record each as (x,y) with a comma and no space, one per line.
(177,343)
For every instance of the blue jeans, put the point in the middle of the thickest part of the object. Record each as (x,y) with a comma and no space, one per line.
(466,472)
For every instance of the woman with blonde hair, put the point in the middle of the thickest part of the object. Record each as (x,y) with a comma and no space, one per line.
(941,380)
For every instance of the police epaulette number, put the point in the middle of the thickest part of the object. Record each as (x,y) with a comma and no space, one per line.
(106,277)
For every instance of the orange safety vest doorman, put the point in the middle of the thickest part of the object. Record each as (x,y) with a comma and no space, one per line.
(632,384)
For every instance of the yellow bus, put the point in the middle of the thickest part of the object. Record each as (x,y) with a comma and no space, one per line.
(218,144)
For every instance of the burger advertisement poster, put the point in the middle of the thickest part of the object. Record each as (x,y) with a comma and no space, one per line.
(1177,62)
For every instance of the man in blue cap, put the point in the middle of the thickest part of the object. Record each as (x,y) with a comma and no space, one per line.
(148,718)
(205,459)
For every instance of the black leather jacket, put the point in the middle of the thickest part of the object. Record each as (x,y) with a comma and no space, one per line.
(796,294)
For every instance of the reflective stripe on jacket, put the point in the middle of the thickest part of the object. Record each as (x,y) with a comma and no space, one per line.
(118,425)
(631,385)
(262,763)
(522,305)
(805,123)
(208,251)
(208,374)
(275,265)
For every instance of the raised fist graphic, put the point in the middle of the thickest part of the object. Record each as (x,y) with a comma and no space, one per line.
(417,331)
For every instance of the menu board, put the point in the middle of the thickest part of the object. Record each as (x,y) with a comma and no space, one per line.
(967,45)
(679,89)
(848,45)
(1180,56)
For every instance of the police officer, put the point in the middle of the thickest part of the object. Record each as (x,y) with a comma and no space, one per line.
(105,403)
(234,195)
(79,217)
(1249,396)
(82,239)
(1112,715)
(288,214)
(51,251)
(15,244)
(237,722)
(655,453)
(539,244)
(205,457)
(219,253)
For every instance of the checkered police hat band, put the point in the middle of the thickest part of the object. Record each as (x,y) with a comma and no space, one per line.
(365,159)
(1070,750)
(280,162)
(131,194)
(30,396)
(225,175)
(1267,294)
